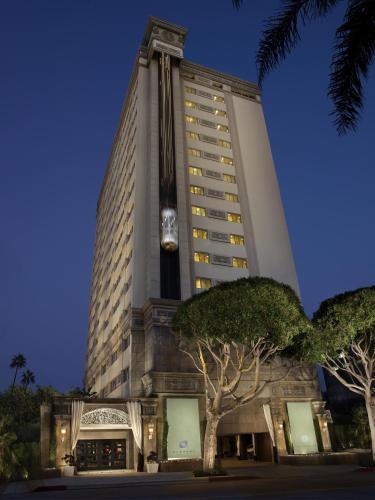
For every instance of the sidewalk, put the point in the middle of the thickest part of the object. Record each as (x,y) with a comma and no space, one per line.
(265,472)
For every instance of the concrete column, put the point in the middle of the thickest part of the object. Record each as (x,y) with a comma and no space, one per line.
(45,435)
(63,438)
(319,411)
(149,435)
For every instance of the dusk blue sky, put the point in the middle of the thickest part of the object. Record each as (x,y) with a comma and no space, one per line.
(64,68)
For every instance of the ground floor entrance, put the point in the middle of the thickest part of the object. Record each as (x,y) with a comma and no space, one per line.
(252,446)
(101,454)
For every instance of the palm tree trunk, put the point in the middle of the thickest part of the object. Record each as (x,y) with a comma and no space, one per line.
(15,376)
(210,442)
(370,407)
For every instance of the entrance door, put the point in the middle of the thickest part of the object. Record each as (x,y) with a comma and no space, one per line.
(101,454)
(263,447)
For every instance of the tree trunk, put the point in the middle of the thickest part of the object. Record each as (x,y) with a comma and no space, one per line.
(210,442)
(14,380)
(370,407)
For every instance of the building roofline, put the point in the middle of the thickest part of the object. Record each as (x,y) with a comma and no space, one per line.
(161,23)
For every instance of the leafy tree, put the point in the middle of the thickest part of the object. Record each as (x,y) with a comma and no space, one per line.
(28,378)
(352,57)
(231,333)
(82,392)
(344,344)
(18,361)
(8,457)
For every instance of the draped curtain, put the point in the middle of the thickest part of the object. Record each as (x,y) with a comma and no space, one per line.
(77,410)
(134,411)
(267,414)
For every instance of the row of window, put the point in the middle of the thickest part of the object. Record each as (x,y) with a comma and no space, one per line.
(203,107)
(215,214)
(207,138)
(206,123)
(233,239)
(211,173)
(114,383)
(206,258)
(210,156)
(203,93)
(201,191)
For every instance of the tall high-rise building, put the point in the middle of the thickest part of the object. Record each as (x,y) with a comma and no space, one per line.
(189,199)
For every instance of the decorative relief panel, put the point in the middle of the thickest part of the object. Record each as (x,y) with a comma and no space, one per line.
(105,416)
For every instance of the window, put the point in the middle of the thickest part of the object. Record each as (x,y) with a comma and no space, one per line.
(125,343)
(200,233)
(125,375)
(103,369)
(192,135)
(197,190)
(236,239)
(233,217)
(224,144)
(226,160)
(222,128)
(229,178)
(191,104)
(113,357)
(203,283)
(195,171)
(231,197)
(238,262)
(218,98)
(201,257)
(190,90)
(220,112)
(198,210)
(113,385)
(194,152)
(191,119)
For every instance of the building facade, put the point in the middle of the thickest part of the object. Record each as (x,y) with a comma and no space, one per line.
(190,198)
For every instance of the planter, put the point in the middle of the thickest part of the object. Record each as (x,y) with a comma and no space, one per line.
(152,467)
(68,471)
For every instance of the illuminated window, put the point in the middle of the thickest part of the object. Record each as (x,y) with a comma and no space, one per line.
(226,160)
(224,144)
(231,197)
(233,217)
(236,239)
(220,112)
(191,119)
(200,233)
(190,90)
(194,152)
(192,135)
(229,178)
(222,128)
(198,211)
(191,104)
(238,262)
(197,190)
(203,283)
(218,98)
(195,171)
(201,257)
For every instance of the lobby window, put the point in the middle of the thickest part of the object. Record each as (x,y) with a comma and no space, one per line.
(201,257)
(233,217)
(220,112)
(218,98)
(198,211)
(203,283)
(200,233)
(190,90)
(195,171)
(231,197)
(191,104)
(238,262)
(192,135)
(226,160)
(236,239)
(222,128)
(224,144)
(197,190)
(191,119)
(194,152)
(229,178)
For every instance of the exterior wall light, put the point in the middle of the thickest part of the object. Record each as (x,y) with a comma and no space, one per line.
(63,433)
(151,428)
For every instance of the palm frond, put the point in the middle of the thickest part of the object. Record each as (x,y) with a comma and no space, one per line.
(281,33)
(237,3)
(354,53)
